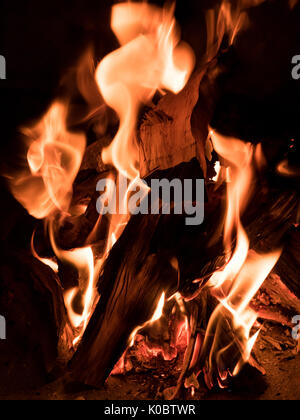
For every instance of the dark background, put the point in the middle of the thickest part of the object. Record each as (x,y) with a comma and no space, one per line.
(42,40)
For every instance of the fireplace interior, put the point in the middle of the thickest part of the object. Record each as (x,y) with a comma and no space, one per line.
(131,303)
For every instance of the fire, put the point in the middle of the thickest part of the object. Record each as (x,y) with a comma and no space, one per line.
(156,316)
(145,350)
(83,260)
(245,272)
(54,158)
(151,58)
(52,264)
(229,18)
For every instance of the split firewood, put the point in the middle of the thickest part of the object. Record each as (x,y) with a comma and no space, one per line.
(168,133)
(126,303)
(279,295)
(132,281)
(166,136)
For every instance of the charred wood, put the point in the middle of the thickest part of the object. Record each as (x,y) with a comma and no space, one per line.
(32,303)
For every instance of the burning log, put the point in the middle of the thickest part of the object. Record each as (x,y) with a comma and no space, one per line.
(275,302)
(132,281)
(166,256)
(130,303)
(31,302)
(163,232)
(76,231)
(166,136)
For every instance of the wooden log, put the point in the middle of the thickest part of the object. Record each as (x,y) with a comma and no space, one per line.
(198,254)
(168,133)
(275,302)
(130,286)
(288,267)
(165,134)
(130,303)
(271,225)
(92,158)
(31,302)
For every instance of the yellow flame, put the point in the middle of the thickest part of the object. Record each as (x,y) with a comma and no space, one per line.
(156,316)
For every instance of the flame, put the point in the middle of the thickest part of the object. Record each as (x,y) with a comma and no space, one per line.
(239,157)
(54,158)
(228,19)
(284,169)
(83,260)
(156,316)
(145,350)
(50,263)
(150,59)
(217,168)
(245,272)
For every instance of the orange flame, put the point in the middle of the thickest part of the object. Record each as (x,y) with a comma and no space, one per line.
(229,19)
(150,58)
(54,158)
(49,262)
(83,260)
(156,316)
(245,271)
